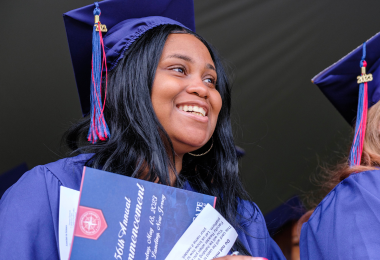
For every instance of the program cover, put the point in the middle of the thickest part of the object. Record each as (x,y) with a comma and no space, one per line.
(120,217)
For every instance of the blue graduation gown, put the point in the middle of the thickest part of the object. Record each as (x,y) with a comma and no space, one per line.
(346,224)
(29,214)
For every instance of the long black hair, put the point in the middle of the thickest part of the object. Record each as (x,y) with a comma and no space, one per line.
(138,142)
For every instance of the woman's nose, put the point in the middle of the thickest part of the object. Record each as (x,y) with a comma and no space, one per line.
(198,88)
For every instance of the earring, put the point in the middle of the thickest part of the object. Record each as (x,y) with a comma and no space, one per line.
(212,144)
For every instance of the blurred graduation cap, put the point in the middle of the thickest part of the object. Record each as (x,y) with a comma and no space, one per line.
(289,211)
(240,152)
(7,179)
(114,24)
(352,86)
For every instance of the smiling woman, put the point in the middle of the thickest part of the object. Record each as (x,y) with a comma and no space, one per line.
(184,94)
(167,107)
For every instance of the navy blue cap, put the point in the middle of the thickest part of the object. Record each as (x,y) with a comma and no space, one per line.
(292,209)
(240,152)
(7,179)
(126,20)
(339,81)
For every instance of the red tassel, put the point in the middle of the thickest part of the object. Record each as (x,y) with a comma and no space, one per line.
(98,128)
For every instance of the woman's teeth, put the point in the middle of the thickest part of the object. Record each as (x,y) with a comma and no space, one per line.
(193,109)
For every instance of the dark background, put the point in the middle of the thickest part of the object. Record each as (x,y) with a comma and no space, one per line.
(274,48)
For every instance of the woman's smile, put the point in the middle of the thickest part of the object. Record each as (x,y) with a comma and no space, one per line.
(194,109)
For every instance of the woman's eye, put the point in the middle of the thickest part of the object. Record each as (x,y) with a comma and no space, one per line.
(180,70)
(210,81)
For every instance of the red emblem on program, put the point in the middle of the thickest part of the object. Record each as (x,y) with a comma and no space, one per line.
(90,223)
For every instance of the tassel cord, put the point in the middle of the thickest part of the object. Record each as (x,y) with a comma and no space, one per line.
(361,118)
(98,128)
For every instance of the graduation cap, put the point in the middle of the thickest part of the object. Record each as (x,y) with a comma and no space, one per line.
(7,179)
(291,210)
(240,152)
(99,34)
(352,86)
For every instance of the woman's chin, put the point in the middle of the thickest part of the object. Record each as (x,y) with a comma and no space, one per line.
(186,147)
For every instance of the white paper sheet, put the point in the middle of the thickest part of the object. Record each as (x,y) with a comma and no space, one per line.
(209,236)
(68,204)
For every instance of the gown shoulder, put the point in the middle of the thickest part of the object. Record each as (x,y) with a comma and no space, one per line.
(29,209)
(346,224)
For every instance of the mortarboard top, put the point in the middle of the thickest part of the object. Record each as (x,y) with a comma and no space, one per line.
(339,81)
(141,15)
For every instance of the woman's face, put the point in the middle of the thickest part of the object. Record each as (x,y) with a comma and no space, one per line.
(184,96)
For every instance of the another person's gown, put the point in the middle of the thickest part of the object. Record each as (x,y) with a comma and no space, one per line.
(346,224)
(29,215)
